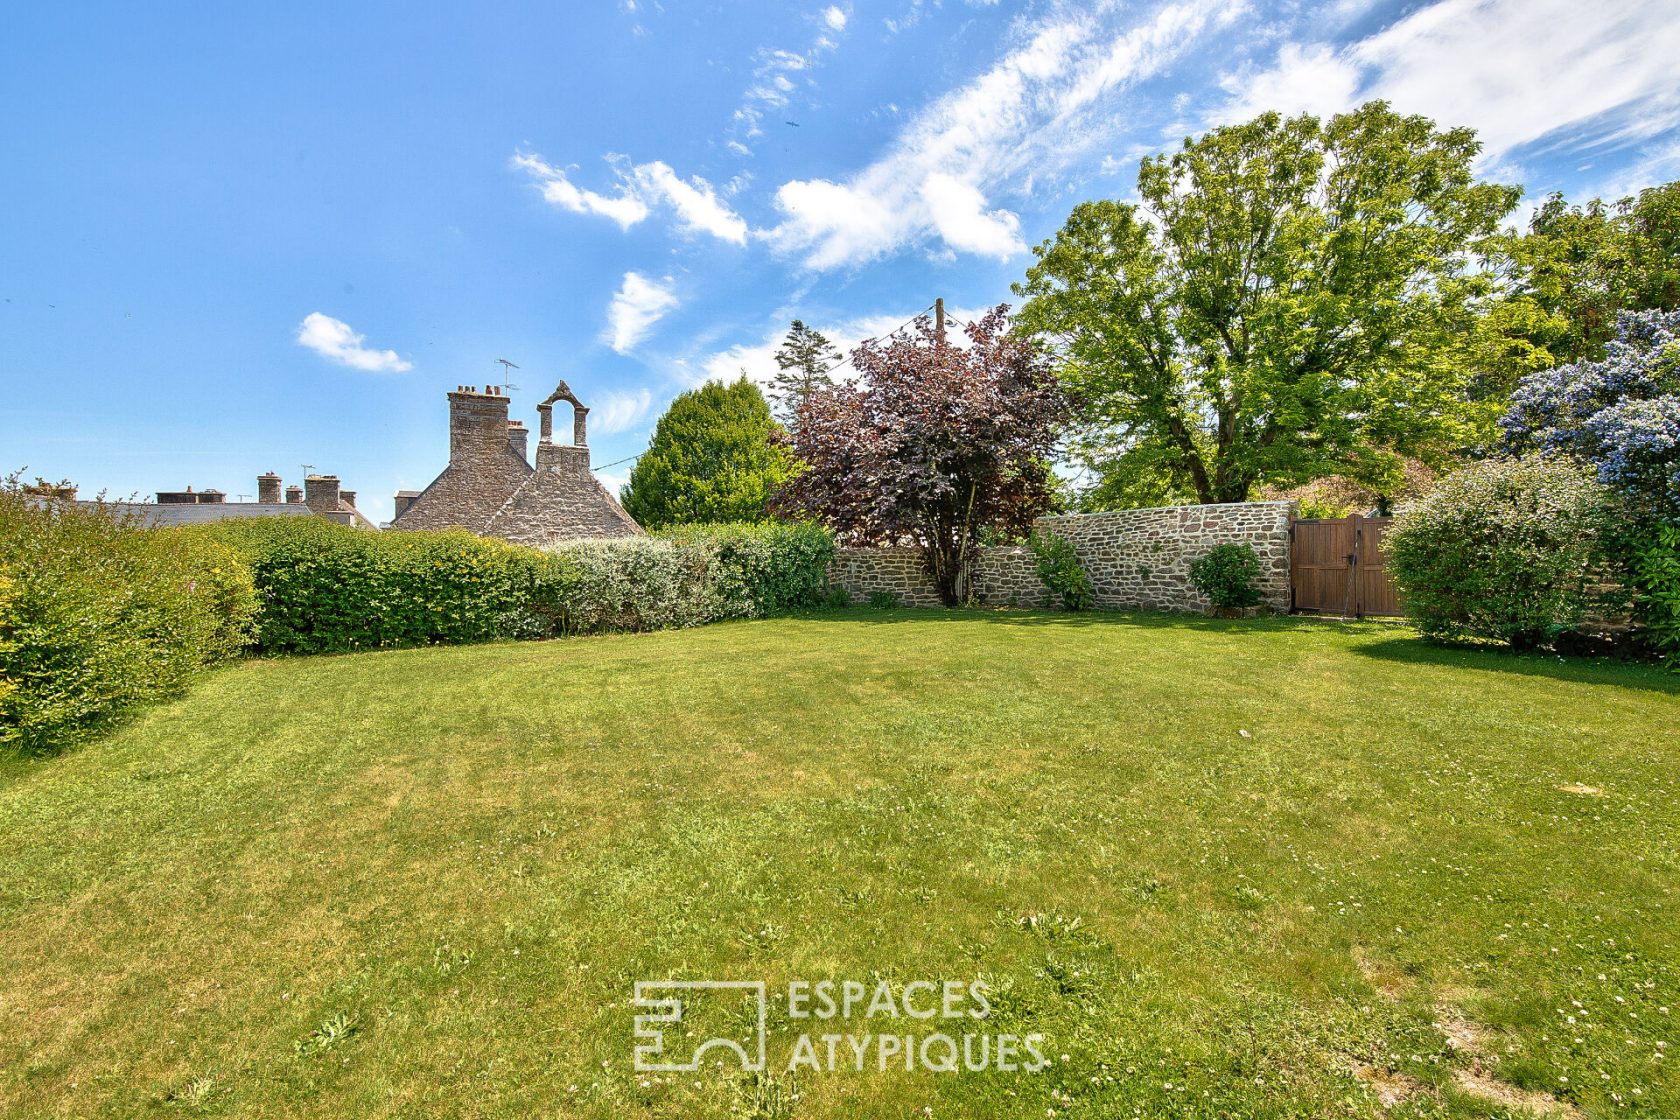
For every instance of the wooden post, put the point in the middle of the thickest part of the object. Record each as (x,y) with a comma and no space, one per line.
(939,318)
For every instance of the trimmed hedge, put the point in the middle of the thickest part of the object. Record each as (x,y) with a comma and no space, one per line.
(98,616)
(327,588)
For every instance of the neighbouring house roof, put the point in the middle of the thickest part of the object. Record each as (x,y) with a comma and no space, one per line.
(154,516)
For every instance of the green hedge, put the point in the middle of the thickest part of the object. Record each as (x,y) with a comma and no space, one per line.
(98,615)
(326,588)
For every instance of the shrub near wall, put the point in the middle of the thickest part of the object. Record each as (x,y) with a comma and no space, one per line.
(692,575)
(98,615)
(1512,550)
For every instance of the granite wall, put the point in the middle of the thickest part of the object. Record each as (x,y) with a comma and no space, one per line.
(1136,558)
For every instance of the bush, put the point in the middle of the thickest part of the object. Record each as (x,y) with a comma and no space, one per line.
(1229,575)
(328,588)
(1510,550)
(884,600)
(1059,568)
(98,615)
(765,569)
(1657,576)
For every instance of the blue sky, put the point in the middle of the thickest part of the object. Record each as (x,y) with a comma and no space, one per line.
(236,238)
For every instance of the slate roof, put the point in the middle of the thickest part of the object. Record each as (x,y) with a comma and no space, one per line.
(154,516)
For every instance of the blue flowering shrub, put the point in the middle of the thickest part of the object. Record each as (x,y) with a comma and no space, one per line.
(1511,550)
(1621,414)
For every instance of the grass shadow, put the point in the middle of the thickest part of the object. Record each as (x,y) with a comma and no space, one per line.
(1498,659)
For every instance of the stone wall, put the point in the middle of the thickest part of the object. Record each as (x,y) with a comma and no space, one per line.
(1136,558)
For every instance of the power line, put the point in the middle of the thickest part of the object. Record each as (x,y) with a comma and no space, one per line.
(616,462)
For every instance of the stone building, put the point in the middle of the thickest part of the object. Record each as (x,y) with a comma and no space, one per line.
(491,488)
(319,496)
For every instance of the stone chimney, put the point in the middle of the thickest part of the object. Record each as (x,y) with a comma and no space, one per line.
(211,498)
(404,499)
(268,488)
(294,495)
(348,497)
(519,439)
(177,497)
(478,424)
(320,493)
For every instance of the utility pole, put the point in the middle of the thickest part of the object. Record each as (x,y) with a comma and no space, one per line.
(939,318)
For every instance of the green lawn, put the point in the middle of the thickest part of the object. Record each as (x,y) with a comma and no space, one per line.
(1278,867)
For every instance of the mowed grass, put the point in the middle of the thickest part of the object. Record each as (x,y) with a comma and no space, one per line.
(1259,868)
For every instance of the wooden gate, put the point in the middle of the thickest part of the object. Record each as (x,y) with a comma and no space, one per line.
(1337,567)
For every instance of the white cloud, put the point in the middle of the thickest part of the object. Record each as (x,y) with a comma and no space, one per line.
(624,208)
(619,412)
(639,304)
(772,87)
(334,340)
(1037,109)
(1515,70)
(641,188)
(696,204)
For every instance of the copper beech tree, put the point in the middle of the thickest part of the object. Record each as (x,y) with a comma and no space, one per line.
(935,442)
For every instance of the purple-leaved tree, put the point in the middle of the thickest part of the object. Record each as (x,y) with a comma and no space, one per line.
(935,442)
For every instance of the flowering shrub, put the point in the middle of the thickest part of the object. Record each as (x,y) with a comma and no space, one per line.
(1059,568)
(1509,549)
(98,615)
(1229,575)
(1621,414)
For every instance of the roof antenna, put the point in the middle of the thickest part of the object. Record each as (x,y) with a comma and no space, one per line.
(308,468)
(506,365)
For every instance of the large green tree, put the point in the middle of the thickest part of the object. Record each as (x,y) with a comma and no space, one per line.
(1291,299)
(715,456)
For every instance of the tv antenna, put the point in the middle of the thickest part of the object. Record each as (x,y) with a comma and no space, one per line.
(308,468)
(506,365)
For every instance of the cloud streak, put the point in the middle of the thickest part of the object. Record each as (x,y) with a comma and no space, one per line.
(1037,109)
(1508,68)
(640,189)
(638,305)
(335,341)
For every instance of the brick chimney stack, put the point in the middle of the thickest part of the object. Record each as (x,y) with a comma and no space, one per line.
(348,497)
(320,493)
(294,495)
(268,488)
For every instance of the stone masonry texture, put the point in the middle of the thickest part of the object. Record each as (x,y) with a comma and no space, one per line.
(1136,558)
(491,489)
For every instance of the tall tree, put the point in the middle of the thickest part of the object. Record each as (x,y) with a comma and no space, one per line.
(716,456)
(803,362)
(1290,300)
(1578,266)
(934,443)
